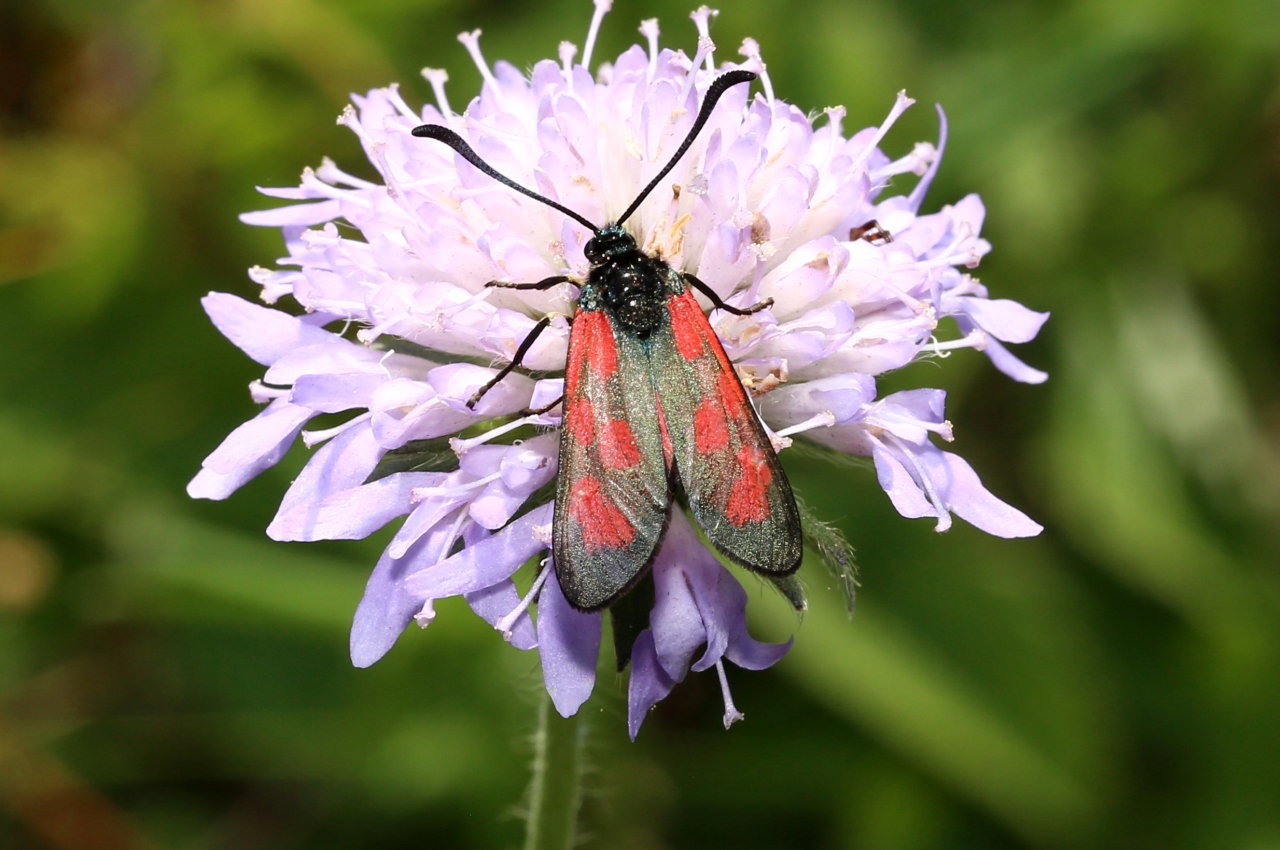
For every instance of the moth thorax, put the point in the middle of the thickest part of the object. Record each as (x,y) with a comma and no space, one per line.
(634,293)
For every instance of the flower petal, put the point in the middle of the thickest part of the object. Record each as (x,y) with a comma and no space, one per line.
(1005,320)
(385,609)
(264,334)
(649,682)
(569,645)
(344,462)
(487,562)
(495,602)
(964,494)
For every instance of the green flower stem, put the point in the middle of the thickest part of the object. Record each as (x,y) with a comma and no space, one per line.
(555,794)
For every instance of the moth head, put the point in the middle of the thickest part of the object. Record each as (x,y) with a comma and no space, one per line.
(609,243)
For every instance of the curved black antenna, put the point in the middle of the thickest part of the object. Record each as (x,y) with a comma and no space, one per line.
(714,91)
(453,140)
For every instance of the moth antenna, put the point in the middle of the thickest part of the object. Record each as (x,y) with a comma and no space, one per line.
(722,84)
(464,150)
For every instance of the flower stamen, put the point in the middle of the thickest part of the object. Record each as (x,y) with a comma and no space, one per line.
(825,419)
(751,50)
(706,47)
(731,713)
(314,438)
(899,106)
(602,8)
(944,516)
(471,41)
(649,29)
(506,626)
(702,20)
(461,447)
(418,494)
(437,77)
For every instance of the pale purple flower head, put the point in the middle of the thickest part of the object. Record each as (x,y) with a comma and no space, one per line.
(397,331)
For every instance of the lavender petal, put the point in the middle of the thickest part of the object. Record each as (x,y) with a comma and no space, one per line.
(569,645)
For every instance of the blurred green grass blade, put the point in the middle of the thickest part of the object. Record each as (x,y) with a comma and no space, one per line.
(872,673)
(1120,495)
(176,558)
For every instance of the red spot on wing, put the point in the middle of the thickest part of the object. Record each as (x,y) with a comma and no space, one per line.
(580,421)
(686,316)
(603,525)
(602,353)
(591,345)
(748,500)
(732,395)
(618,445)
(710,428)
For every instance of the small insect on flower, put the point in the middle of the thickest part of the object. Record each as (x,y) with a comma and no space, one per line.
(651,404)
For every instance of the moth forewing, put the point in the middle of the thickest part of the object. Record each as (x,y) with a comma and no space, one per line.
(613,492)
(736,487)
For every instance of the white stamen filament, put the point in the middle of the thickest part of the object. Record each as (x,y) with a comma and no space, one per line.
(968,285)
(311,181)
(602,8)
(418,494)
(418,411)
(899,106)
(871,415)
(393,95)
(313,438)
(944,516)
(825,419)
(461,447)
(649,29)
(507,624)
(438,77)
(331,173)
(426,614)
(706,47)
(471,41)
(370,335)
(348,118)
(951,255)
(751,49)
(916,162)
(702,20)
(731,713)
(975,339)
(261,393)
(461,307)
(567,51)
(835,119)
(454,533)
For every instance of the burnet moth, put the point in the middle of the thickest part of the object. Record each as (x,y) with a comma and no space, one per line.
(652,408)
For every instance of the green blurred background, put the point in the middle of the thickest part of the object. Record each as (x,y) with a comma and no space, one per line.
(169,678)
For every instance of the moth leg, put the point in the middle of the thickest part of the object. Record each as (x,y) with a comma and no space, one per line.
(870,232)
(545,283)
(719,304)
(525,345)
(538,411)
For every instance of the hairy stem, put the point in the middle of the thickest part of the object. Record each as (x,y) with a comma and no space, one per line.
(555,793)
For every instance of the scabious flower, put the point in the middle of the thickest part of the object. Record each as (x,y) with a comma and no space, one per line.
(397,331)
